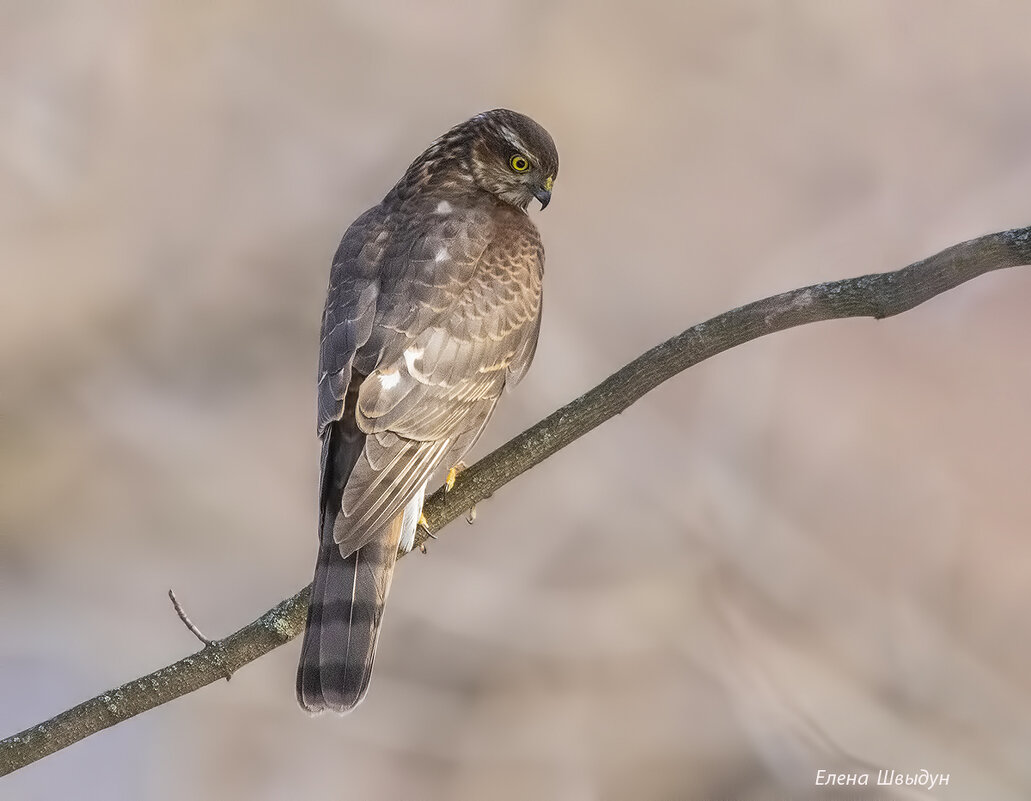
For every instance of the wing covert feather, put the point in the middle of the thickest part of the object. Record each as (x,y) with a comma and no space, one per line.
(456,318)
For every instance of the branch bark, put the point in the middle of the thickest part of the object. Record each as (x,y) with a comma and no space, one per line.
(879,295)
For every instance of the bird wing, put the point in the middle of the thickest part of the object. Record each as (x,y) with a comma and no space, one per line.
(457,302)
(350,312)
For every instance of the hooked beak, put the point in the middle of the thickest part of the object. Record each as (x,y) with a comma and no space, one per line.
(543,193)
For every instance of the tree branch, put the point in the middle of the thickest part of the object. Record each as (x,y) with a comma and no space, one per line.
(879,295)
(190,625)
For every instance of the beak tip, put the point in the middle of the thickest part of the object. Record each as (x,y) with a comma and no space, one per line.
(543,197)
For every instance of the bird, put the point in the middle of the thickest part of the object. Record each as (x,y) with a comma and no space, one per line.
(433,309)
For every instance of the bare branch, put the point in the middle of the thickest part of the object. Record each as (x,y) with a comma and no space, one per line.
(196,632)
(880,295)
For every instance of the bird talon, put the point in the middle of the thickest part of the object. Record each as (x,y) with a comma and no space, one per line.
(452,474)
(424,524)
(470,516)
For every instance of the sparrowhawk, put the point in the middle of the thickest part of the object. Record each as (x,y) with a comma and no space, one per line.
(433,308)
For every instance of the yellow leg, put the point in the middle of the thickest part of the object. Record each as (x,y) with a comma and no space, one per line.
(452,474)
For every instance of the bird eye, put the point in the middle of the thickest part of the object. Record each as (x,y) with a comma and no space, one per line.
(519,163)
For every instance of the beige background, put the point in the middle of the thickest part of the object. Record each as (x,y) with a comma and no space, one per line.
(810,552)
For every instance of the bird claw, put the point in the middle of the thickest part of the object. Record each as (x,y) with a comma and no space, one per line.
(424,524)
(452,474)
(470,516)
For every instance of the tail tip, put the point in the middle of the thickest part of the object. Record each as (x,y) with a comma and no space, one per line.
(313,698)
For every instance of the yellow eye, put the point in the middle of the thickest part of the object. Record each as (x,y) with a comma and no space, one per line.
(519,163)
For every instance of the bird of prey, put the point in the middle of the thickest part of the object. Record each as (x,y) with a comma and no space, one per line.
(433,309)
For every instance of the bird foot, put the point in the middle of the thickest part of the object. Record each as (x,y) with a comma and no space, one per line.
(452,474)
(449,483)
(424,524)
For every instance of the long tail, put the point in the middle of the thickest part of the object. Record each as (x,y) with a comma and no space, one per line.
(343,622)
(349,593)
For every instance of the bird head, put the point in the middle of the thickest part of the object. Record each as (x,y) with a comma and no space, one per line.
(512,157)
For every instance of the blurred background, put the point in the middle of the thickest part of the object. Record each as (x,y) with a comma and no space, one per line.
(809,553)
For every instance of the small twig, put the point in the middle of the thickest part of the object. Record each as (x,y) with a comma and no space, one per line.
(209,644)
(186,620)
